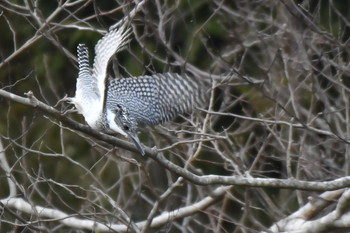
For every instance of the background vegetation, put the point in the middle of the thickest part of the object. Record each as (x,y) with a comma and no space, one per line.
(268,153)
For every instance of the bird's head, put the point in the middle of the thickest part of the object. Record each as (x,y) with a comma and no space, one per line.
(128,125)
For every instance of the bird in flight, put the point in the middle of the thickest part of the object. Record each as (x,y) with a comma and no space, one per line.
(119,105)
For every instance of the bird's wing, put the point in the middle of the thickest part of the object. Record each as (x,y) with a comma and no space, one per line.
(105,48)
(177,94)
(90,88)
(157,98)
(85,79)
(86,98)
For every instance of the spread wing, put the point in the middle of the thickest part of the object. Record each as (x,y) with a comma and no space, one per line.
(90,87)
(105,48)
(85,79)
(157,98)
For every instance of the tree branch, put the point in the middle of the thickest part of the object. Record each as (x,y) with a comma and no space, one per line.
(72,221)
(200,180)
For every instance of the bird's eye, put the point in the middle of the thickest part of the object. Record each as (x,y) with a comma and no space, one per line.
(126,127)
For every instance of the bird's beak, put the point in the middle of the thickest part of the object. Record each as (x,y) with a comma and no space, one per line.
(137,142)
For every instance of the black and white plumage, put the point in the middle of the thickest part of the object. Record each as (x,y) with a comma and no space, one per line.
(120,105)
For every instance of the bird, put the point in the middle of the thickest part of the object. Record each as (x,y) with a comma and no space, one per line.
(120,105)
